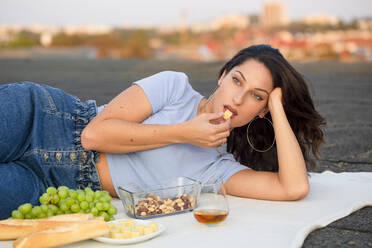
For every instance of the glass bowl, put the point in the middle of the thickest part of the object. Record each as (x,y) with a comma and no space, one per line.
(173,196)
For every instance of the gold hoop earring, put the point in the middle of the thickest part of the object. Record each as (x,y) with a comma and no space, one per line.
(249,140)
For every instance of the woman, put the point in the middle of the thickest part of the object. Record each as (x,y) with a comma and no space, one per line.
(160,128)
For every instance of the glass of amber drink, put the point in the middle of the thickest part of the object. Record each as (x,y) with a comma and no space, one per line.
(212,204)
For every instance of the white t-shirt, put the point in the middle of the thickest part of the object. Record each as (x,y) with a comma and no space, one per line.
(173,101)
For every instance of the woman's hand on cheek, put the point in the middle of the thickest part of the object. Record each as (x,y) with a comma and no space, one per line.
(275,98)
(202,131)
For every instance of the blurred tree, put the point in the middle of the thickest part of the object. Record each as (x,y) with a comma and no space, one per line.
(23,39)
(136,45)
(62,39)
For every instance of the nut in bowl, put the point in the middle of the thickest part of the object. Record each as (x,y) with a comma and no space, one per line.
(172,196)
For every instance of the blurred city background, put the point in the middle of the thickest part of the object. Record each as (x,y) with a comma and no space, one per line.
(303,31)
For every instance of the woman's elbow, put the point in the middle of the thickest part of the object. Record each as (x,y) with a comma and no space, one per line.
(298,193)
(88,139)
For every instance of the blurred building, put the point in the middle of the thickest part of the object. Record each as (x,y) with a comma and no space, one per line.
(87,29)
(364,23)
(227,21)
(321,19)
(274,14)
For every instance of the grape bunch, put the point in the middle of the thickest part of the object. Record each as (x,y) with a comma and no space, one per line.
(66,201)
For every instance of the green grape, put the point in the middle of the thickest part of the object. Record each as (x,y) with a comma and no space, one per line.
(75,208)
(103,214)
(65,201)
(94,211)
(63,206)
(88,189)
(80,191)
(17,214)
(44,208)
(55,199)
(89,198)
(70,201)
(25,208)
(105,206)
(73,194)
(99,206)
(112,210)
(49,213)
(51,191)
(61,202)
(35,211)
(106,198)
(112,218)
(63,188)
(28,216)
(97,194)
(62,193)
(90,192)
(53,208)
(44,198)
(81,197)
(84,205)
(105,192)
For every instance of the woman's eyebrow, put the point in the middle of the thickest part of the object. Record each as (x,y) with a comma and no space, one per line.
(262,90)
(241,74)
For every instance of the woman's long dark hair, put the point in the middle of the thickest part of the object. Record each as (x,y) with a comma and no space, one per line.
(305,121)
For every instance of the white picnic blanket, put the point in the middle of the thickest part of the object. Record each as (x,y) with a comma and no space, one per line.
(258,223)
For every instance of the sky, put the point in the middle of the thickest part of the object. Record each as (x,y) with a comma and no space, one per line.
(162,12)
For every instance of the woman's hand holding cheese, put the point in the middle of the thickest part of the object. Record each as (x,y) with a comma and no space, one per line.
(207,130)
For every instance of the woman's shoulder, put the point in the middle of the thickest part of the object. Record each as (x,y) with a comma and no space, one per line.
(165,78)
(172,73)
(172,77)
(166,81)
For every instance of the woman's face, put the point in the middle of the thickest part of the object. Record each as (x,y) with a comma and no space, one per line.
(244,91)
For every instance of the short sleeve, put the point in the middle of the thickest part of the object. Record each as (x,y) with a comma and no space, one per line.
(228,165)
(164,88)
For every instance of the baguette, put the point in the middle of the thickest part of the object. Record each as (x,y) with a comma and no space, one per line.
(69,233)
(14,228)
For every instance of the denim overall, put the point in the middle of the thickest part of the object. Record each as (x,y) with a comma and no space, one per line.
(40,145)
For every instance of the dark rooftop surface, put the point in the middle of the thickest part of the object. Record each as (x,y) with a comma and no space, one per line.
(341,92)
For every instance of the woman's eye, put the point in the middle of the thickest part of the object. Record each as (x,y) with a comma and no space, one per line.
(236,80)
(258,97)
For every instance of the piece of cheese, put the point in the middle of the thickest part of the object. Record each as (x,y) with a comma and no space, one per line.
(129,223)
(227,114)
(124,230)
(116,234)
(135,234)
(140,229)
(127,234)
(147,230)
(154,226)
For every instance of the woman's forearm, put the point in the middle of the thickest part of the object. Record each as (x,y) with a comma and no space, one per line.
(292,173)
(120,136)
